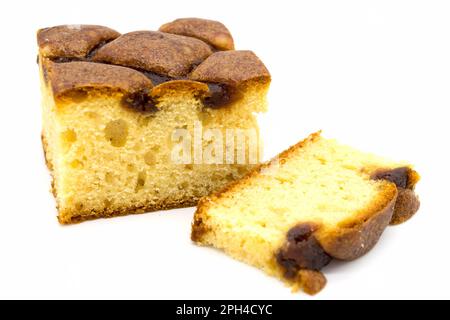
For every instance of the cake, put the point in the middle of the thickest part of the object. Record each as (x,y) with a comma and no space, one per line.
(317,201)
(115,104)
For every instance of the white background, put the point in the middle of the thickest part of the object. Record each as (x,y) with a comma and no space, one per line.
(374,74)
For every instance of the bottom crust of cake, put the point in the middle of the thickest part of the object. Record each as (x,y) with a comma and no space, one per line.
(69,217)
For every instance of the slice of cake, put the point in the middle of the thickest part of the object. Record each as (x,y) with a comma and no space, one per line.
(134,122)
(316,201)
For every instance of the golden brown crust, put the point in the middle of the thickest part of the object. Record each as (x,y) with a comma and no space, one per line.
(413,178)
(407,201)
(72,41)
(77,217)
(49,164)
(354,239)
(199,228)
(72,76)
(406,206)
(158,52)
(231,67)
(209,31)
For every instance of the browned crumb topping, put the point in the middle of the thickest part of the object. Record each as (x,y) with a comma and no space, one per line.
(159,52)
(76,76)
(72,41)
(209,31)
(83,57)
(230,67)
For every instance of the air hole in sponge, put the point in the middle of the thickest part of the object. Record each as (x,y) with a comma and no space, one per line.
(140,183)
(117,132)
(68,137)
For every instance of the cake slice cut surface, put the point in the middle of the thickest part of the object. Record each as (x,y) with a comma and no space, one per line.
(114,106)
(316,201)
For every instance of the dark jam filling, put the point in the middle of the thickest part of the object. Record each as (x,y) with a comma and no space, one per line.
(155,77)
(301,251)
(94,50)
(140,101)
(66,59)
(399,176)
(220,95)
